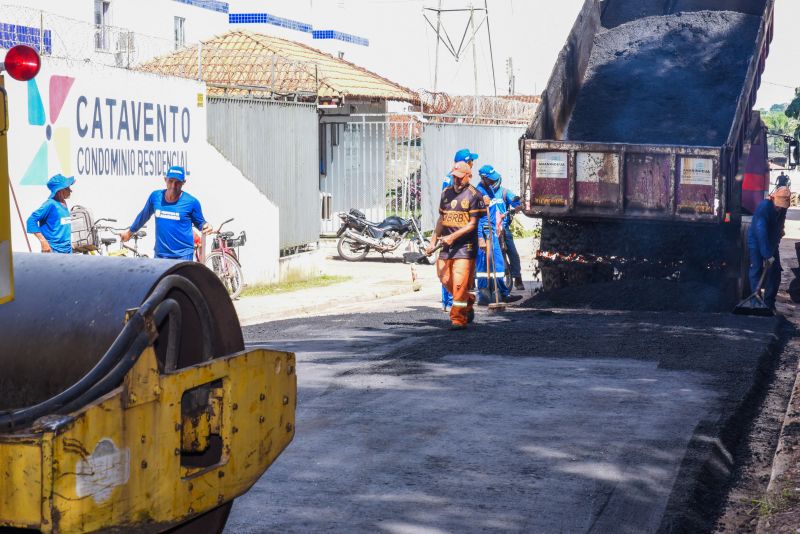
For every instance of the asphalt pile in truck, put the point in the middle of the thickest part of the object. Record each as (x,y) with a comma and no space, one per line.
(673,79)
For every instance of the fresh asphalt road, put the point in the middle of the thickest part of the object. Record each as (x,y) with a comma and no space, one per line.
(567,421)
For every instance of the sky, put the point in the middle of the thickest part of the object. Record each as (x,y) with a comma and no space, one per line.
(529,32)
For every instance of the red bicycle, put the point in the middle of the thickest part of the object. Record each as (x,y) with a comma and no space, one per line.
(223,259)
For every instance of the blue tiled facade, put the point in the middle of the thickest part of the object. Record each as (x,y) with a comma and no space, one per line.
(266,18)
(341,36)
(213,5)
(14,34)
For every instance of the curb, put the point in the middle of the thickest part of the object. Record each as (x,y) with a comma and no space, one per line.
(305,311)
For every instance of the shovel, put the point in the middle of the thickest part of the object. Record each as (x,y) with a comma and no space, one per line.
(491,271)
(754,304)
(417,257)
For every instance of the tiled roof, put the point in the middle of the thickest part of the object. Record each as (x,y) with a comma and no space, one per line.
(244,63)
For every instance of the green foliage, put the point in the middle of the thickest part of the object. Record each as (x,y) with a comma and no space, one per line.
(519,231)
(258,290)
(793,111)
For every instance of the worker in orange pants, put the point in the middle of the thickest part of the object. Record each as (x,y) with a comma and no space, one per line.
(458,277)
(459,210)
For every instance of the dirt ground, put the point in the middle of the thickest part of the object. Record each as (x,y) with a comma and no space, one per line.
(765,492)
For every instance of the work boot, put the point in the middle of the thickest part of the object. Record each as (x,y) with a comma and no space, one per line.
(470,316)
(512,298)
(518,283)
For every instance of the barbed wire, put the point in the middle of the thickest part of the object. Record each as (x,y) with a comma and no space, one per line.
(76,40)
(241,72)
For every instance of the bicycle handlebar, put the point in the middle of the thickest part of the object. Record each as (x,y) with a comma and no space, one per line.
(219,228)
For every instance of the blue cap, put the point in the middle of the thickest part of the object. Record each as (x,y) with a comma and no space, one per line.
(465,154)
(176,172)
(59,182)
(487,171)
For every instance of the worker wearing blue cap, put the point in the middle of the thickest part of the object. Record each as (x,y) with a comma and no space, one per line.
(51,223)
(176,211)
(491,227)
(467,156)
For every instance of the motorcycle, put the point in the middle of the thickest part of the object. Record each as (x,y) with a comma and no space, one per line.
(358,236)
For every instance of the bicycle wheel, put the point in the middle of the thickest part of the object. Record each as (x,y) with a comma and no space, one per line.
(227,270)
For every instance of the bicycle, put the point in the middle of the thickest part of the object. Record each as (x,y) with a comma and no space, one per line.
(125,249)
(93,243)
(223,259)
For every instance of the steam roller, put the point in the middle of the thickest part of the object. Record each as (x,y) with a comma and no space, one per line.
(128,402)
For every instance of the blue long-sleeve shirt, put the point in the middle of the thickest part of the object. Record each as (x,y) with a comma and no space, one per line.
(512,202)
(174,221)
(765,230)
(497,207)
(52,219)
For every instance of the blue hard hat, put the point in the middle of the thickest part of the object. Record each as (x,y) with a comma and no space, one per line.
(59,182)
(465,154)
(176,172)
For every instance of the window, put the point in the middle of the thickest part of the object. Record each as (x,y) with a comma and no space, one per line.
(101,22)
(180,32)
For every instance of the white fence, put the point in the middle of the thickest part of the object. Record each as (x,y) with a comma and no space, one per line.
(394,165)
(371,163)
(496,145)
(274,145)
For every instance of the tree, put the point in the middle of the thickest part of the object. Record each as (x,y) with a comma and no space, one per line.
(793,111)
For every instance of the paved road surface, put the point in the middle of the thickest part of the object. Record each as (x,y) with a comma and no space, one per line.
(567,421)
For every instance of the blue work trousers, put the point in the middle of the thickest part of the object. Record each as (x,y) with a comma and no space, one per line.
(513,256)
(773,279)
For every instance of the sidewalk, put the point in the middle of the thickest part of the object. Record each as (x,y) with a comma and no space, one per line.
(372,282)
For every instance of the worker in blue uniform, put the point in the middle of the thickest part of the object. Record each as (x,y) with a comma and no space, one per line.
(176,211)
(489,228)
(468,157)
(766,231)
(513,205)
(51,223)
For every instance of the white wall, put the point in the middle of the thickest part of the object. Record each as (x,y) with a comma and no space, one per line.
(121,193)
(71,22)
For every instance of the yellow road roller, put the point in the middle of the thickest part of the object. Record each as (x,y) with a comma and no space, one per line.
(128,402)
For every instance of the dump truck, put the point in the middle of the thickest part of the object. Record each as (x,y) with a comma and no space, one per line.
(128,400)
(645,157)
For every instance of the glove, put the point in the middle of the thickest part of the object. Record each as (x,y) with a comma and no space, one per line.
(769,261)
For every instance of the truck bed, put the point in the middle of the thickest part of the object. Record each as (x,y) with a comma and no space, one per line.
(673,79)
(647,114)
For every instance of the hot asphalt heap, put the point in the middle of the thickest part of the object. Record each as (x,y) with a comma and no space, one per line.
(671,79)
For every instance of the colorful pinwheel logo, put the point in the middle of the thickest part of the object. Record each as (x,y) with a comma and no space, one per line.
(57,138)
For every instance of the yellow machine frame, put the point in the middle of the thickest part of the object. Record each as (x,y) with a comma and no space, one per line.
(116,463)
(6,272)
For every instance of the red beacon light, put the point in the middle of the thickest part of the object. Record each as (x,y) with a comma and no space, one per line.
(22,63)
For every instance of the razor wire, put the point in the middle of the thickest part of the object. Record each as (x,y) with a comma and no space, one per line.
(76,40)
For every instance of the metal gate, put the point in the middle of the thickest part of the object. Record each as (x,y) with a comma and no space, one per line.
(496,145)
(371,163)
(394,164)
